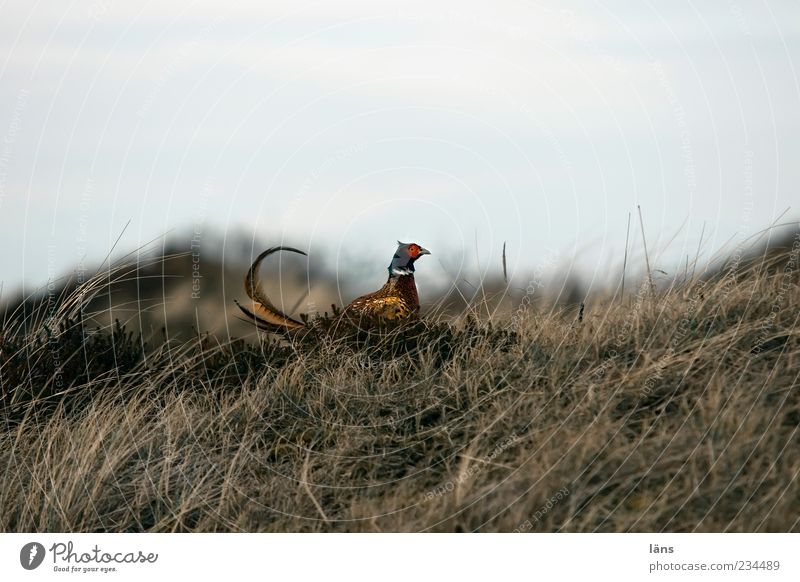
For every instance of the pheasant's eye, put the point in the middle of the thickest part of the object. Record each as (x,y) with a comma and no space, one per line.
(413,250)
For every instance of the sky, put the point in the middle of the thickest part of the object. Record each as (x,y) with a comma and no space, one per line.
(341,127)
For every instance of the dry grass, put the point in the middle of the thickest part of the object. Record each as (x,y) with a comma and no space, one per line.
(673,411)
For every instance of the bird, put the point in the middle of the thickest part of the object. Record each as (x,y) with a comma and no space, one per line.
(395,303)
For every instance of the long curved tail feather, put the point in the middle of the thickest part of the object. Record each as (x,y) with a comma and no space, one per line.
(262,311)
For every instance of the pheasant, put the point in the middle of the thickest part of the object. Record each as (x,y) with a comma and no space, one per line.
(394,303)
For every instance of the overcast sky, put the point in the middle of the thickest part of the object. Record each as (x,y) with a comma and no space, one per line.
(344,126)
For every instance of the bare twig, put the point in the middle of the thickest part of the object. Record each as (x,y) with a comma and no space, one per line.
(686,269)
(304,480)
(116,242)
(697,256)
(505,271)
(625,261)
(646,257)
(481,275)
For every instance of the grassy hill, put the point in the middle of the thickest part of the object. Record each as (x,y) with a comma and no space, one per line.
(673,409)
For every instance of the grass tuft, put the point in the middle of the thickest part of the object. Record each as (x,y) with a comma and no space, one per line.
(671,410)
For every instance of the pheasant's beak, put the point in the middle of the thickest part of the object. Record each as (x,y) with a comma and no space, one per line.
(424,251)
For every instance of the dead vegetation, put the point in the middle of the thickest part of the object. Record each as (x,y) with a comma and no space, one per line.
(668,410)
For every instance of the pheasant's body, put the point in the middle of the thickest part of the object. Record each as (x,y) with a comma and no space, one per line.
(396,302)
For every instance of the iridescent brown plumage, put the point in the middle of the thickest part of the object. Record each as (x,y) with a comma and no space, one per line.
(396,302)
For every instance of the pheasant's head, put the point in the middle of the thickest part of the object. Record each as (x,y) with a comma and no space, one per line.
(404,257)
